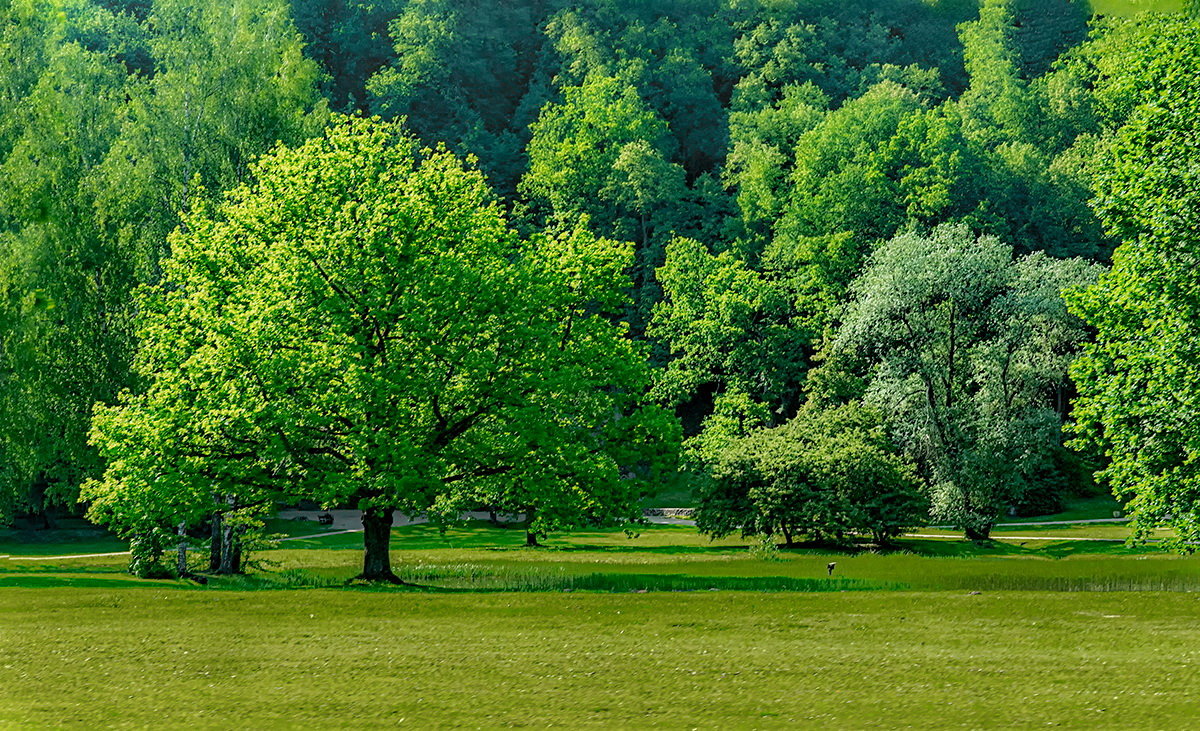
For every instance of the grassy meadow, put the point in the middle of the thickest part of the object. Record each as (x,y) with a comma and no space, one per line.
(88,657)
(603,629)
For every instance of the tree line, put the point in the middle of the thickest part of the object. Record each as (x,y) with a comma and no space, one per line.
(834,266)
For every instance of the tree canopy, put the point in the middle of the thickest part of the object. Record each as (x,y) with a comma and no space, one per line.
(359,325)
(825,474)
(578,240)
(966,352)
(1139,382)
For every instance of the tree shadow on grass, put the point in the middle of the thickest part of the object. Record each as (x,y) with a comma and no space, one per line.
(957,548)
(44,581)
(1066,549)
(609,548)
(48,547)
(663,539)
(962,548)
(559,582)
(41,568)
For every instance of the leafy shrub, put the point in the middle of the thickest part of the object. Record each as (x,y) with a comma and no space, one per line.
(146,552)
(827,473)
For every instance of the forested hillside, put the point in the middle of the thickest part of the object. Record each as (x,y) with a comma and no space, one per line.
(803,258)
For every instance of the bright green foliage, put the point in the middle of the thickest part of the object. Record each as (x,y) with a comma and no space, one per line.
(110,120)
(576,145)
(858,174)
(1012,44)
(878,165)
(966,353)
(868,169)
(995,104)
(1139,384)
(732,335)
(1031,188)
(760,155)
(582,447)
(844,179)
(825,474)
(360,326)
(778,143)
(604,155)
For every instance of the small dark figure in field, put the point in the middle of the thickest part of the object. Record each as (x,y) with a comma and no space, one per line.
(325,519)
(831,567)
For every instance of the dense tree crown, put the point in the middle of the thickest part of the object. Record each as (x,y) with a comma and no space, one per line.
(823,243)
(1139,382)
(360,326)
(967,351)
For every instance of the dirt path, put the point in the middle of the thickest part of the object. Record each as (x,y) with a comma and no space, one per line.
(1071,522)
(55,558)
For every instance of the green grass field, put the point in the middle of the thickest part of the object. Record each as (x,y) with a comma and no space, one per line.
(598,628)
(148,657)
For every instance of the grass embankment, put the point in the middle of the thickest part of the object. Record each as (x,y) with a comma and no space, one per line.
(147,657)
(1123,8)
(1079,508)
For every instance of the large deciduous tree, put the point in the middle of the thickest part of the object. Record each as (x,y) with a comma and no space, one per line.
(966,352)
(360,326)
(1139,383)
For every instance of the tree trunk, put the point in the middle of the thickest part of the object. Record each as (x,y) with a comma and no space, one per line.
(787,536)
(531,538)
(181,565)
(214,544)
(228,536)
(377,539)
(231,550)
(39,507)
(981,533)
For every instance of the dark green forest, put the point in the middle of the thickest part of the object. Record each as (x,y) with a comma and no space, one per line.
(832,267)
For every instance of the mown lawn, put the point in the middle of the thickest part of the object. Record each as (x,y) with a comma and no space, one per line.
(139,657)
(598,628)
